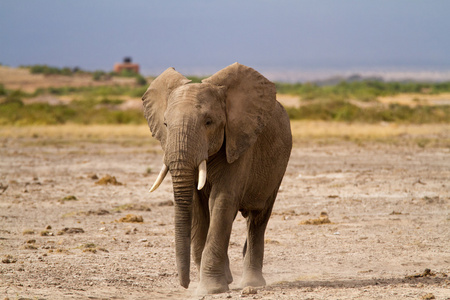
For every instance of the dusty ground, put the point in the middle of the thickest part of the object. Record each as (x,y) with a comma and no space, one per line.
(61,235)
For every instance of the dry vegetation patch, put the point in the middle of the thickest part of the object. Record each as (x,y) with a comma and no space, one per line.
(414,100)
(302,131)
(430,134)
(108,179)
(21,78)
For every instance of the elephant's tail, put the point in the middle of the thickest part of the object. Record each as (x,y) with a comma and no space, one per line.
(245,248)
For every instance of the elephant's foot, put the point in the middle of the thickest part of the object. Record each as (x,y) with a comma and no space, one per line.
(252,278)
(212,286)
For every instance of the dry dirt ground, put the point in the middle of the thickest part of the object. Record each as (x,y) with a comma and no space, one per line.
(62,236)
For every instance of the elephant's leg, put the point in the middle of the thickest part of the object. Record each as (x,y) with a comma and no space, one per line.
(200,225)
(227,271)
(254,252)
(215,273)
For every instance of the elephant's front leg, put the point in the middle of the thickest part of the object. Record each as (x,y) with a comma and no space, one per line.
(254,254)
(215,274)
(200,226)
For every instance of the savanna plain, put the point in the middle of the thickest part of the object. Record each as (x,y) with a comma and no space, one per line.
(363,211)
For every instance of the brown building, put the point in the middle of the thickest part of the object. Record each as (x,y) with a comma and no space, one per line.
(126,65)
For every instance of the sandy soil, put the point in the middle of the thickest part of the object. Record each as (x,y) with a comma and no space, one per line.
(62,236)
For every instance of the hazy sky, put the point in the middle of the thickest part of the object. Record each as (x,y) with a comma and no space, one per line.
(202,36)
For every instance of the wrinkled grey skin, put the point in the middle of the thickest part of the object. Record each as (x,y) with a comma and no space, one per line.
(233,121)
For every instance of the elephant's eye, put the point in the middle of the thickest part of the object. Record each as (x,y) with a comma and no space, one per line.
(165,124)
(208,121)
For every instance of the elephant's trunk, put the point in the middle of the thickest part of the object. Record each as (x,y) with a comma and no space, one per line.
(182,156)
(183,187)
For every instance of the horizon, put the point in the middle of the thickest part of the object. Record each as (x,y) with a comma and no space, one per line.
(317,76)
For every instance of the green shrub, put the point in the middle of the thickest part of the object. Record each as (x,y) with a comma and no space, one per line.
(325,110)
(98,75)
(140,80)
(94,91)
(363,90)
(108,101)
(15,96)
(79,112)
(127,73)
(344,111)
(195,79)
(47,70)
(2,90)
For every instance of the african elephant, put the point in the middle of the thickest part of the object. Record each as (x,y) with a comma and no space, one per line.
(231,131)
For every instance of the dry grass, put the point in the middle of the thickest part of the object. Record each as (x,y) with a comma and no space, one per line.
(17,78)
(413,100)
(289,100)
(76,132)
(302,131)
(322,130)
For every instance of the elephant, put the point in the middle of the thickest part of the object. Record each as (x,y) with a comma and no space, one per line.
(226,144)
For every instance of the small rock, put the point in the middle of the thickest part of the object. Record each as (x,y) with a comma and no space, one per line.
(142,240)
(30,247)
(46,233)
(323,219)
(249,290)
(426,273)
(3,188)
(395,213)
(28,231)
(428,296)
(67,198)
(9,259)
(99,212)
(48,227)
(71,230)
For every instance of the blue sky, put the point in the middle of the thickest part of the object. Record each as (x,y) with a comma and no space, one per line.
(202,36)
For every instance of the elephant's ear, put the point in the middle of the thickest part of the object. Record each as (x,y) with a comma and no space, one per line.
(250,100)
(155,101)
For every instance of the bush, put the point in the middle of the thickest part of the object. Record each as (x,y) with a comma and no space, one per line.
(127,73)
(326,110)
(2,90)
(140,80)
(79,112)
(98,75)
(47,70)
(363,90)
(344,111)
(94,91)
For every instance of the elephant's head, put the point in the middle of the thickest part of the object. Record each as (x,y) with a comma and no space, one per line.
(193,121)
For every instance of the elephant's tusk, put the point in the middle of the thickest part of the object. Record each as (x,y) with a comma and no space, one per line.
(160,178)
(201,175)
